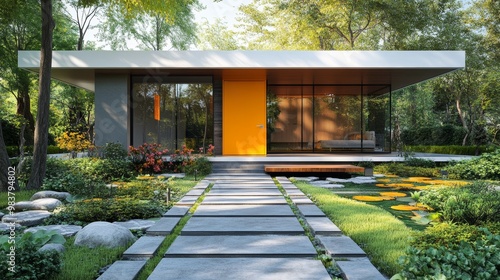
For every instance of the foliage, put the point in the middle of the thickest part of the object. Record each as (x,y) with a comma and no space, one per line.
(148,158)
(201,165)
(114,151)
(366,164)
(105,170)
(434,135)
(485,167)
(73,141)
(81,262)
(450,149)
(404,170)
(13,151)
(473,204)
(419,162)
(446,233)
(468,260)
(180,159)
(111,209)
(29,263)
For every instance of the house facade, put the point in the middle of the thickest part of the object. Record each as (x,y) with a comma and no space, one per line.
(250,103)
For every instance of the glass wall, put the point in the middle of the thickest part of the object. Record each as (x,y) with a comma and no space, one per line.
(172,111)
(328,118)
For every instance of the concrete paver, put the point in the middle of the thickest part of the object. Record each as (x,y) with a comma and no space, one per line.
(255,192)
(177,211)
(359,269)
(301,200)
(243,211)
(224,200)
(163,226)
(239,268)
(310,210)
(341,246)
(323,226)
(123,270)
(242,226)
(241,246)
(143,248)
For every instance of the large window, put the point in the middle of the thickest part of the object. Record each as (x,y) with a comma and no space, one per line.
(172,111)
(328,118)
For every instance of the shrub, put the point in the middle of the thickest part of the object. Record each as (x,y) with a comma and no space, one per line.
(114,151)
(29,262)
(450,149)
(105,170)
(148,158)
(485,167)
(201,165)
(180,160)
(468,260)
(113,209)
(419,162)
(404,170)
(473,204)
(73,142)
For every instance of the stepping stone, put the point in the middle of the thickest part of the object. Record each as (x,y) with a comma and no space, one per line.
(337,180)
(163,226)
(245,192)
(359,269)
(243,211)
(187,200)
(301,200)
(322,225)
(244,186)
(27,218)
(307,179)
(341,246)
(144,248)
(173,175)
(136,224)
(332,186)
(123,270)
(224,200)
(5,227)
(39,204)
(51,194)
(310,210)
(203,184)
(217,246)
(64,230)
(177,211)
(1,215)
(294,192)
(195,192)
(239,268)
(242,226)
(289,186)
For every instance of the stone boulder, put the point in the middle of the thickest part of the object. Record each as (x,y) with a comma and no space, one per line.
(104,234)
(27,218)
(51,194)
(48,204)
(52,247)
(64,230)
(136,224)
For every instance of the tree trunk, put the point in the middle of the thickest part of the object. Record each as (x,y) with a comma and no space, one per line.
(5,166)
(42,120)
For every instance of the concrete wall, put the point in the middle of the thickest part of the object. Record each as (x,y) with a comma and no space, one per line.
(111,109)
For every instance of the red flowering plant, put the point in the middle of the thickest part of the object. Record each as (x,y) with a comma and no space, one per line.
(180,159)
(148,158)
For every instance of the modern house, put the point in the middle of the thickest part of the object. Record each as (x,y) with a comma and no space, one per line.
(249,103)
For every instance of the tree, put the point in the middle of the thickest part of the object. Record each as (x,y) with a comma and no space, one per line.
(168,9)
(84,16)
(4,165)
(217,36)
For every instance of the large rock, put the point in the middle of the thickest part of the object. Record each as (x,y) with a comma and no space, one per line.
(39,204)
(64,230)
(50,194)
(27,218)
(52,247)
(104,234)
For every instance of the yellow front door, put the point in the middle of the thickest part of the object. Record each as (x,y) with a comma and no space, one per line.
(244,117)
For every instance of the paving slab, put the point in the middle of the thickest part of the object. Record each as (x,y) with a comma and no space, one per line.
(294,192)
(310,210)
(224,200)
(244,176)
(123,270)
(203,184)
(187,200)
(239,268)
(242,226)
(163,226)
(359,269)
(322,226)
(301,200)
(195,192)
(244,186)
(222,246)
(136,224)
(144,248)
(289,186)
(242,210)
(177,211)
(245,192)
(341,246)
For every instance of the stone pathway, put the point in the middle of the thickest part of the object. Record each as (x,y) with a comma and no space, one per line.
(244,229)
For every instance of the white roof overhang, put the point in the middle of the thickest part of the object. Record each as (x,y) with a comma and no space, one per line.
(397,68)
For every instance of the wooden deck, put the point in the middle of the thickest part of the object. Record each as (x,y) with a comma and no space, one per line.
(313,168)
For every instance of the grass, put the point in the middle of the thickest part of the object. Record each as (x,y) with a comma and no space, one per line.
(83,263)
(20,196)
(381,235)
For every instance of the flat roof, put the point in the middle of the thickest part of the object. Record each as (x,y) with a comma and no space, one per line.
(397,68)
